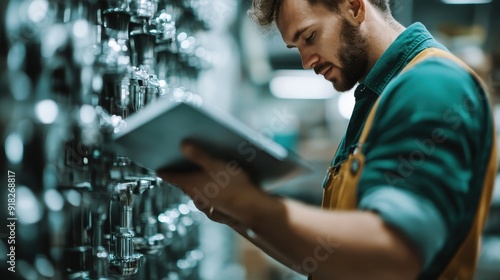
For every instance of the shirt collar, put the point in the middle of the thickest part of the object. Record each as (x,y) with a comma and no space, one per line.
(406,46)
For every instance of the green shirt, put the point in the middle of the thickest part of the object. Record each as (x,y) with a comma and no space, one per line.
(428,148)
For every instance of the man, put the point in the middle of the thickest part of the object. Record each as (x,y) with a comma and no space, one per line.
(417,208)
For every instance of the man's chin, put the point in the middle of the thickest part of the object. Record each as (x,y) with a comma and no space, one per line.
(342,87)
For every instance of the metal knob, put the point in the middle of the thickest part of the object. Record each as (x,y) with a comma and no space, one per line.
(124,261)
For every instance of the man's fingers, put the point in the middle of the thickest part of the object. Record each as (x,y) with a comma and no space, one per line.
(219,217)
(198,156)
(179,180)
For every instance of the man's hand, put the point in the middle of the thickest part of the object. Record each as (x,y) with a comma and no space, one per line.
(325,244)
(217,188)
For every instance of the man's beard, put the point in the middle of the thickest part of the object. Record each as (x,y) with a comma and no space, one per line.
(353,56)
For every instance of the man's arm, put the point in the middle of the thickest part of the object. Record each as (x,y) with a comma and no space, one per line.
(331,244)
(327,244)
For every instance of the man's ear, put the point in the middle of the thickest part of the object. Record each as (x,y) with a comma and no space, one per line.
(356,11)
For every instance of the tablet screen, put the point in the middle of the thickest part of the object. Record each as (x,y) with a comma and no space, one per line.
(152,138)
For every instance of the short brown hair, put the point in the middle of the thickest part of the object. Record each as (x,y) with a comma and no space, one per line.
(265,12)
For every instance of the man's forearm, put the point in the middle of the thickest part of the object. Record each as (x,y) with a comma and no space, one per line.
(328,244)
(267,248)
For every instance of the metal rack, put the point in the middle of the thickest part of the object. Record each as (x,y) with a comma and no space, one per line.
(77,70)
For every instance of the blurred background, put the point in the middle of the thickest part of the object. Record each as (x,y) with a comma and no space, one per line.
(72,72)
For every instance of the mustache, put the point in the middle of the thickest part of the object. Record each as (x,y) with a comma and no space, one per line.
(320,67)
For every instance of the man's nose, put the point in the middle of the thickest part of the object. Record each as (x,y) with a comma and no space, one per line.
(309,59)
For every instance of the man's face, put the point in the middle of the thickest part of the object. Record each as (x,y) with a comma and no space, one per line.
(326,40)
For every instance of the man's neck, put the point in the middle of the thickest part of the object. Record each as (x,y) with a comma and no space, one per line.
(381,33)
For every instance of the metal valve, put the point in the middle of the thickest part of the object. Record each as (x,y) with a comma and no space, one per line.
(124,261)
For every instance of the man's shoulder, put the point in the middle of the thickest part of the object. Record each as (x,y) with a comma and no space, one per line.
(433,80)
(430,92)
(444,67)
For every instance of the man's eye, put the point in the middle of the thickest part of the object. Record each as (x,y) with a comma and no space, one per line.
(310,39)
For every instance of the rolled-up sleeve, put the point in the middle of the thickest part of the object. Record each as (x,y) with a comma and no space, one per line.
(414,216)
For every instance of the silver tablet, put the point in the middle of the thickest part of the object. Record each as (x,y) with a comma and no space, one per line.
(152,138)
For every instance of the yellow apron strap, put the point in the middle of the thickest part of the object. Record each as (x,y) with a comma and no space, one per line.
(463,263)
(435,52)
(340,192)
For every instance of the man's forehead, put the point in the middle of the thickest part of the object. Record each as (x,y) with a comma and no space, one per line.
(288,13)
(294,15)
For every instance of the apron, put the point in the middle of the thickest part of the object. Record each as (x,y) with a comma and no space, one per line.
(340,192)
